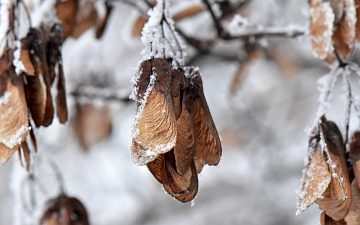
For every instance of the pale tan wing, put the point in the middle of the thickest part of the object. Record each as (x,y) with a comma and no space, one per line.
(155,125)
(344,33)
(321,29)
(184,149)
(353,217)
(14,114)
(337,197)
(207,141)
(316,178)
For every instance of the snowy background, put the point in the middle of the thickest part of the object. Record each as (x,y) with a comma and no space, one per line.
(262,125)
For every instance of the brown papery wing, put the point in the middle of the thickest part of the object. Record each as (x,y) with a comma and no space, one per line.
(184,149)
(207,141)
(177,84)
(353,217)
(14,113)
(142,84)
(337,197)
(327,220)
(61,105)
(66,12)
(355,155)
(141,156)
(315,181)
(156,167)
(186,196)
(185,182)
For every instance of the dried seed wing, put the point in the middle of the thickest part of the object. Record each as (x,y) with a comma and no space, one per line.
(155,167)
(141,156)
(168,176)
(357,26)
(92,124)
(32,137)
(185,182)
(344,34)
(138,26)
(327,220)
(336,198)
(14,113)
(100,27)
(26,151)
(355,155)
(53,51)
(20,157)
(207,141)
(66,12)
(25,59)
(186,196)
(321,29)
(155,124)
(37,98)
(316,178)
(86,17)
(189,11)
(61,105)
(353,216)
(243,70)
(199,164)
(143,81)
(184,149)
(177,84)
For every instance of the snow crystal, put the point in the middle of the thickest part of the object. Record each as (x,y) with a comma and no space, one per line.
(19,66)
(5,98)
(15,139)
(159,36)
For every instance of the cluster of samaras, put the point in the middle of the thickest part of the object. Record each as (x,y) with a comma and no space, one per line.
(64,210)
(329,179)
(174,133)
(25,84)
(334,27)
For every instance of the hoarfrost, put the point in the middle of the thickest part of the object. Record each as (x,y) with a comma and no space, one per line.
(237,24)
(19,66)
(159,36)
(15,139)
(5,98)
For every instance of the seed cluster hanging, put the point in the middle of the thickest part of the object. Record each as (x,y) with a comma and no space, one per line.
(29,67)
(174,133)
(332,177)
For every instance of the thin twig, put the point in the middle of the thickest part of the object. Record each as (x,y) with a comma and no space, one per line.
(348,108)
(100,93)
(220,30)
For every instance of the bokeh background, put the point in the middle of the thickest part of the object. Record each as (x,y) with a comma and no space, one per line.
(262,125)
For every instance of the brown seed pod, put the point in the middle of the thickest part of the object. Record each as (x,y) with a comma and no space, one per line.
(336,198)
(207,141)
(64,210)
(61,105)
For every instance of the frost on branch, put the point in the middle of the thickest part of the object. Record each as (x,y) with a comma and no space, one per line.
(159,36)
